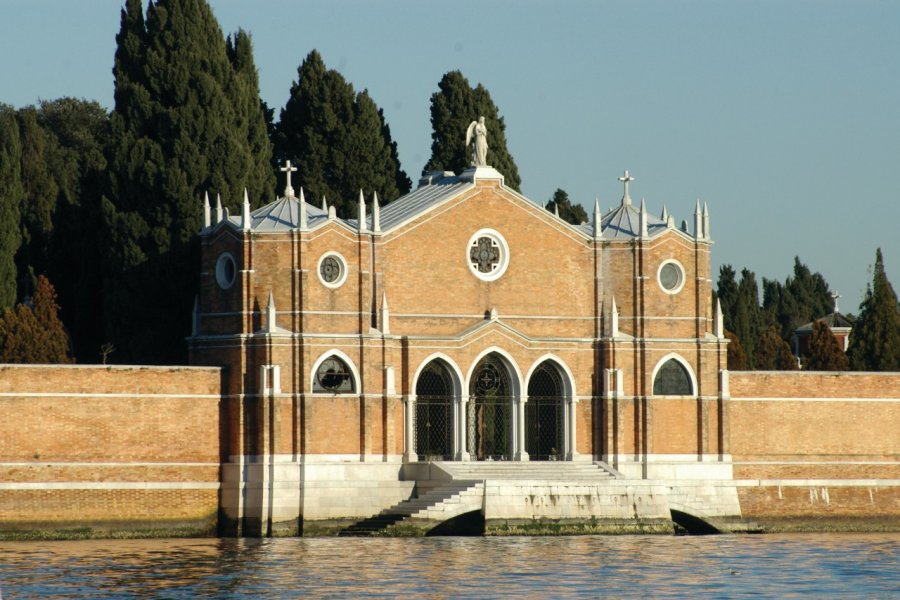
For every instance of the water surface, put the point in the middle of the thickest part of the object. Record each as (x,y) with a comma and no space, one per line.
(833,565)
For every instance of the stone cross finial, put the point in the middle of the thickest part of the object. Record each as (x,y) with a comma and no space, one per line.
(626,179)
(288,168)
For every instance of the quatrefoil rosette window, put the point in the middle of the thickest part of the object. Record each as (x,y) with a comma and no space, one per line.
(332,270)
(487,254)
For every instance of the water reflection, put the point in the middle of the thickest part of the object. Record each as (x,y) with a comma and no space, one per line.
(589,566)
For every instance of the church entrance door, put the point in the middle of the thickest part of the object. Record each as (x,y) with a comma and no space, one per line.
(490,410)
(434,412)
(544,416)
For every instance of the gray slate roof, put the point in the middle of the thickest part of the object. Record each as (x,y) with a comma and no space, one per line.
(834,321)
(622,222)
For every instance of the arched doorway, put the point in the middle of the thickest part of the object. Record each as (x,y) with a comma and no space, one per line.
(490,410)
(544,414)
(433,430)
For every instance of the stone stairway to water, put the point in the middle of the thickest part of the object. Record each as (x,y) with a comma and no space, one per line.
(440,503)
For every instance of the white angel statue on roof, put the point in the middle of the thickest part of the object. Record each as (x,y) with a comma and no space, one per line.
(479,131)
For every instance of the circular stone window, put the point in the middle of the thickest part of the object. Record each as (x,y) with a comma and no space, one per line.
(332,270)
(225,270)
(671,276)
(487,255)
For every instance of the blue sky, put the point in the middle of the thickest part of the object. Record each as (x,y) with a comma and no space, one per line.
(783,116)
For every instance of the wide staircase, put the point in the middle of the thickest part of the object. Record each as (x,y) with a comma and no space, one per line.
(440,503)
(456,488)
(527,471)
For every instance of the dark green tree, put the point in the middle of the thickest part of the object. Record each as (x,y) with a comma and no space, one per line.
(76,131)
(824,352)
(254,115)
(187,119)
(338,139)
(453,107)
(875,339)
(571,213)
(773,353)
(802,298)
(11,194)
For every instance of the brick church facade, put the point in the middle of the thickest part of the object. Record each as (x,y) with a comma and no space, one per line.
(462,322)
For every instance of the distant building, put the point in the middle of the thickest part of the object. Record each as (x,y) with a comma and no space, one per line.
(840,326)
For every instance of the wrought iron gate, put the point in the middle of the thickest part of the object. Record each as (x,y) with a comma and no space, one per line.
(544,439)
(433,429)
(490,407)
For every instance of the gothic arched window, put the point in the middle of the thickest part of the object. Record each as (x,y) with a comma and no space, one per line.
(333,376)
(672,379)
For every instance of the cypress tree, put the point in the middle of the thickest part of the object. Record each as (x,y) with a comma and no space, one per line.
(338,139)
(875,339)
(453,108)
(11,193)
(254,116)
(33,333)
(77,131)
(824,352)
(748,318)
(187,119)
(737,358)
(803,297)
(571,213)
(727,293)
(773,353)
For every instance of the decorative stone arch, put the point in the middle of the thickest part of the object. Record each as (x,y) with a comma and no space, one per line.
(673,356)
(447,410)
(354,372)
(560,412)
(491,422)
(455,371)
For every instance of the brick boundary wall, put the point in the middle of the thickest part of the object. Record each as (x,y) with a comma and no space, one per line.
(109,450)
(817,450)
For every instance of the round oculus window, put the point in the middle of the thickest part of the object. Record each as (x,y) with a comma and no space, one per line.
(225,270)
(671,277)
(487,254)
(332,270)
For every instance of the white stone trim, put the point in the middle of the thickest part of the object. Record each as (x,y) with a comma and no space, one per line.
(682,276)
(344,269)
(497,237)
(695,389)
(112,485)
(357,380)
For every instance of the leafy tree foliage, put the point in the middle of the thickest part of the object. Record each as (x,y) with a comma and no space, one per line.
(11,194)
(453,107)
(33,333)
(737,357)
(824,352)
(338,140)
(187,119)
(571,213)
(773,353)
(875,339)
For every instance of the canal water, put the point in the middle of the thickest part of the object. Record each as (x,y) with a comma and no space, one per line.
(772,566)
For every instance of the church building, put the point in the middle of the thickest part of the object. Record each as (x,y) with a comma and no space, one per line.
(460,323)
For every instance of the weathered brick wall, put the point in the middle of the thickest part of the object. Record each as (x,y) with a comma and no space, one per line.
(816,446)
(124,447)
